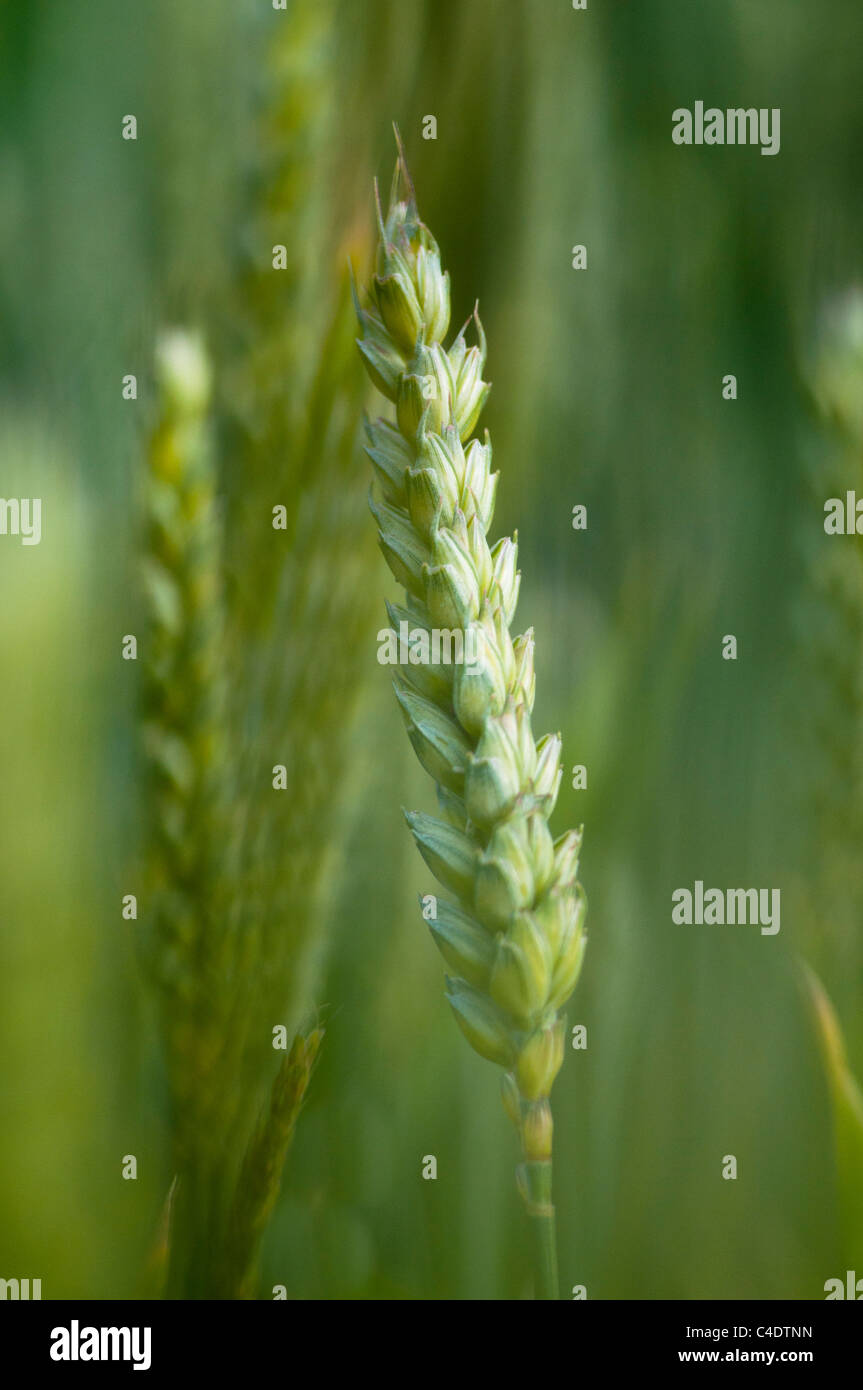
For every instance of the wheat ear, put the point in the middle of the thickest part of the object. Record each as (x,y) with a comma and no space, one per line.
(514,939)
(183,717)
(832,623)
(185,744)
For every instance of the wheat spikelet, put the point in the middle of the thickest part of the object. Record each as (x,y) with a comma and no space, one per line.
(514,939)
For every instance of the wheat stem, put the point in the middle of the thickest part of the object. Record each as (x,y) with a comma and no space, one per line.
(549,1284)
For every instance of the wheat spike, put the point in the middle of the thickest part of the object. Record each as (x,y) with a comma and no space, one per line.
(183,715)
(514,939)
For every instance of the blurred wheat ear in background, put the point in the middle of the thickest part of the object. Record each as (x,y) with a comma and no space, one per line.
(289,408)
(255,570)
(831,618)
(186,746)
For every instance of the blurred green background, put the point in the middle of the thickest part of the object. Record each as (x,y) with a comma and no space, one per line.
(553,128)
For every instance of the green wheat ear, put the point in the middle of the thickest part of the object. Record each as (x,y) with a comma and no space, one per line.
(240,891)
(222,1199)
(514,938)
(185,743)
(832,626)
(184,730)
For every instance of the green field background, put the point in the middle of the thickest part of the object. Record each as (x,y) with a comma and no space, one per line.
(553,129)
